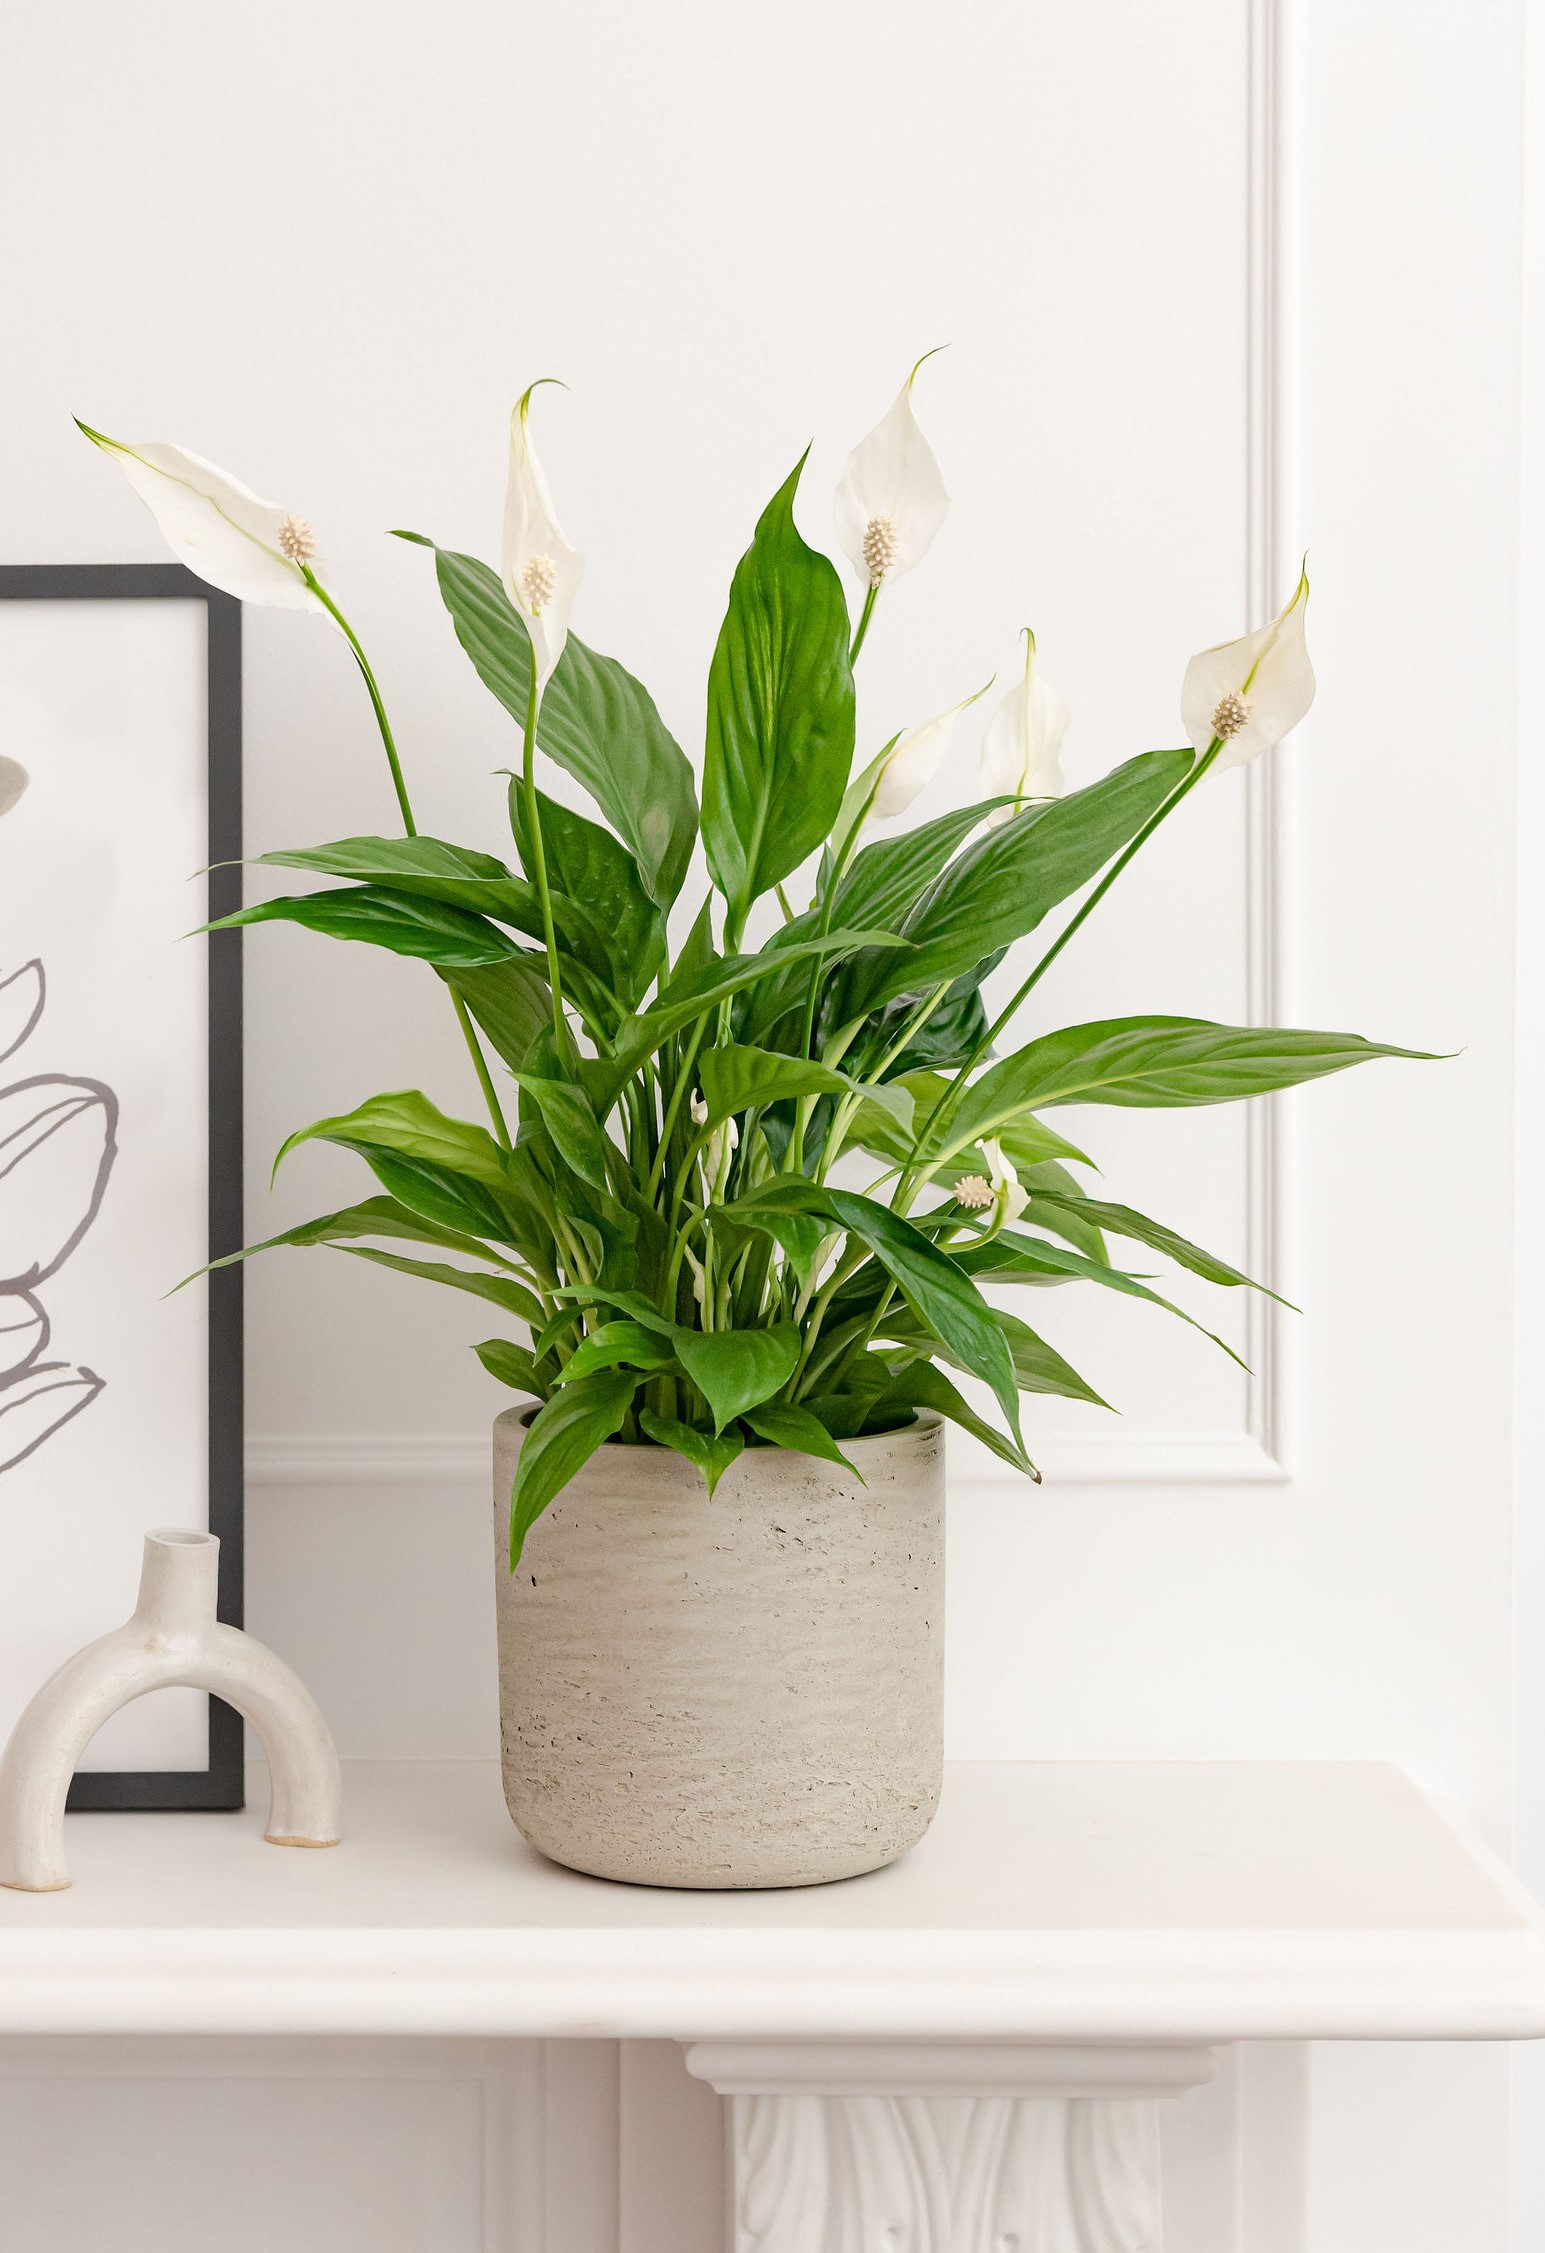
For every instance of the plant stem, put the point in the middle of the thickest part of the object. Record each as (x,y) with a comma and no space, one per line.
(539,862)
(382,722)
(474,1046)
(864,617)
(480,1066)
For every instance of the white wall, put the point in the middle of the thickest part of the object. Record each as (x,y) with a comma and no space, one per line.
(1220,278)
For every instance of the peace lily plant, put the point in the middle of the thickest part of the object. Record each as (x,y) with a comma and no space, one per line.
(740,1193)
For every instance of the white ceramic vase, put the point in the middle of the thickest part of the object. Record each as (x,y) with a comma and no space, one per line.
(746,1691)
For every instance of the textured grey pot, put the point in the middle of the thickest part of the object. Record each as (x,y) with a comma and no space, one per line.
(746,1691)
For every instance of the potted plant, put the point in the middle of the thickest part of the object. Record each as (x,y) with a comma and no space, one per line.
(746,1169)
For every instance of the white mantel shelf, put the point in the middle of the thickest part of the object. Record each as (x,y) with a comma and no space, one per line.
(1052,1902)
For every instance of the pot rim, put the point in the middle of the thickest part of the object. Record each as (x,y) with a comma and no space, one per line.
(924,1420)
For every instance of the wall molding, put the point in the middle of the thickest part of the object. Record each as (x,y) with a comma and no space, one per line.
(1270,484)
(458,1463)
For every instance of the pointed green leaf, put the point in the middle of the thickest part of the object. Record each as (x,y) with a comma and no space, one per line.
(570,1121)
(596,721)
(737,1369)
(800,1432)
(426,930)
(712,1455)
(1121,1220)
(943,1298)
(1002,887)
(561,1437)
(921,1385)
(780,711)
(510,1002)
(499,1290)
(613,1344)
(516,1366)
(1156,1062)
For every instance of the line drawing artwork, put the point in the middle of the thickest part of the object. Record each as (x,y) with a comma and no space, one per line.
(58,1141)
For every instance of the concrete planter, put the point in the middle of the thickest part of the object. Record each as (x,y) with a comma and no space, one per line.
(746,1691)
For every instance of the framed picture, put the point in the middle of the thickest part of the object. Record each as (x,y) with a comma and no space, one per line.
(120,1135)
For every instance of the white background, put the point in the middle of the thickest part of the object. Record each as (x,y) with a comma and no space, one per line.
(1220,279)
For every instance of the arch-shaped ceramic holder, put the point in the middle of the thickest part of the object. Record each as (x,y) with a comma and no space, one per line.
(172,1640)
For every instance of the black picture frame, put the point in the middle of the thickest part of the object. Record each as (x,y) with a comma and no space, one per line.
(220,1785)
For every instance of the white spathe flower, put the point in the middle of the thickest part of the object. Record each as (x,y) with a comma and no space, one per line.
(891,501)
(219,528)
(541,571)
(14,779)
(1022,748)
(1007,1193)
(1250,692)
(909,762)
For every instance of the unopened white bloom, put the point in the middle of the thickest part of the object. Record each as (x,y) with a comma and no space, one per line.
(1022,748)
(13,781)
(906,766)
(1250,692)
(891,501)
(250,548)
(699,1108)
(541,571)
(720,1148)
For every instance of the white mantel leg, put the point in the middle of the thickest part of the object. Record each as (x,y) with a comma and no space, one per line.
(939,2148)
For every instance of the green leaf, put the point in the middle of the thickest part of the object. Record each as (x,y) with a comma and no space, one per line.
(427,930)
(510,1002)
(798,1234)
(561,1437)
(1004,885)
(514,1366)
(1027,1141)
(616,1342)
(585,864)
(596,721)
(423,868)
(377,1216)
(1057,1204)
(735,1078)
(921,1385)
(737,1369)
(1121,1220)
(499,1290)
(712,1455)
(570,1121)
(886,878)
(1010,1258)
(1037,1366)
(942,1297)
(796,1429)
(454,1173)
(1156,1062)
(780,711)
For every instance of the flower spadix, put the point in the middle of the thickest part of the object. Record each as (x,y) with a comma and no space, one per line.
(1022,748)
(1249,693)
(891,501)
(541,571)
(218,527)
(1002,1192)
